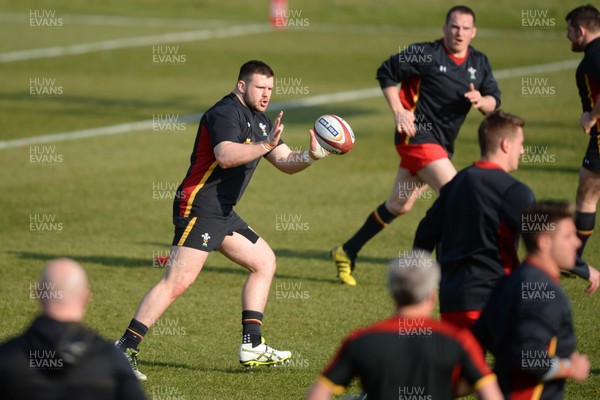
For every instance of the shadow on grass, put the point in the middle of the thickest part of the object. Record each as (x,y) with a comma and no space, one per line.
(200,368)
(324,255)
(111,261)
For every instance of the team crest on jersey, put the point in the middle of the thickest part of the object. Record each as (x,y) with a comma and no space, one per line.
(472,72)
(205,239)
(263,128)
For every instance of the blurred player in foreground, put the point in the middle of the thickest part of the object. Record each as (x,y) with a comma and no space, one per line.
(440,81)
(232,138)
(410,353)
(57,357)
(527,324)
(583,31)
(477,220)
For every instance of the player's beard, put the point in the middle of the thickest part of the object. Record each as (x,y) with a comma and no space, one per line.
(576,47)
(253,105)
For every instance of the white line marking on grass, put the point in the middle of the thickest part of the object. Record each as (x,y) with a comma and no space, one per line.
(117,20)
(139,41)
(288,105)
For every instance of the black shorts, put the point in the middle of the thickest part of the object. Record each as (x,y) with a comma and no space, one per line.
(208,233)
(591,160)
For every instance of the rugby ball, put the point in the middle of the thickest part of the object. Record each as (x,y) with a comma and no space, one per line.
(334,134)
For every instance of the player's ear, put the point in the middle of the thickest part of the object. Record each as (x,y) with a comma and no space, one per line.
(473,32)
(544,242)
(241,86)
(504,144)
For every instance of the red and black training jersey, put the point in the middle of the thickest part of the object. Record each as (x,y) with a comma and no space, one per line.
(476,220)
(434,84)
(527,323)
(588,79)
(406,357)
(208,189)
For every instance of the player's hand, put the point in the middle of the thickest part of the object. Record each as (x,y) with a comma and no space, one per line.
(275,134)
(316,151)
(405,123)
(594,280)
(474,96)
(580,366)
(587,122)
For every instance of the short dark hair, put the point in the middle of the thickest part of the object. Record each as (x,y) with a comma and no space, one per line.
(254,67)
(461,10)
(541,218)
(587,16)
(495,127)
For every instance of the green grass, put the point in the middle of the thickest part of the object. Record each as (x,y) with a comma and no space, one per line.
(102,191)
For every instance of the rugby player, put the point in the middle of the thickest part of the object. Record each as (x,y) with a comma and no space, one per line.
(410,354)
(583,31)
(440,82)
(232,138)
(477,219)
(527,324)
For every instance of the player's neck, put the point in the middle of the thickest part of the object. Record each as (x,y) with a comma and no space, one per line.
(421,310)
(496,160)
(590,37)
(240,97)
(544,262)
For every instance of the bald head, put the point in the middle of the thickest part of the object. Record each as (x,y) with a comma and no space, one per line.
(63,290)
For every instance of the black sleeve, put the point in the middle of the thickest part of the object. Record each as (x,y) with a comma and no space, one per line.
(340,370)
(516,199)
(491,325)
(429,231)
(399,67)
(581,269)
(537,327)
(489,86)
(223,125)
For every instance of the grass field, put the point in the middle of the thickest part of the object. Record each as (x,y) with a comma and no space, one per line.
(106,200)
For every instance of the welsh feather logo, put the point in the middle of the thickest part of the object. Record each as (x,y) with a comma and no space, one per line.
(205,238)
(263,128)
(472,72)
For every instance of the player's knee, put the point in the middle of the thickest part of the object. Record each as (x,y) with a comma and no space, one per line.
(177,288)
(266,265)
(398,206)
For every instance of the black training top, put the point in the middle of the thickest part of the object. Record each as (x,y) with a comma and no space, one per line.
(526,324)
(434,84)
(208,189)
(477,220)
(405,357)
(56,360)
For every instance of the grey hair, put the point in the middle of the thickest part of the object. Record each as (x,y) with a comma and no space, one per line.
(412,277)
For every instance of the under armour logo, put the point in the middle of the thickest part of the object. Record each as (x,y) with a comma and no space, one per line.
(442,68)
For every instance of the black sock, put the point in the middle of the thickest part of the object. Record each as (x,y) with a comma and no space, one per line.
(372,226)
(133,335)
(251,323)
(585,223)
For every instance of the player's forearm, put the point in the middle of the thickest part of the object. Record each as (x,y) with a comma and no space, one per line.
(229,154)
(490,391)
(295,161)
(391,96)
(488,104)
